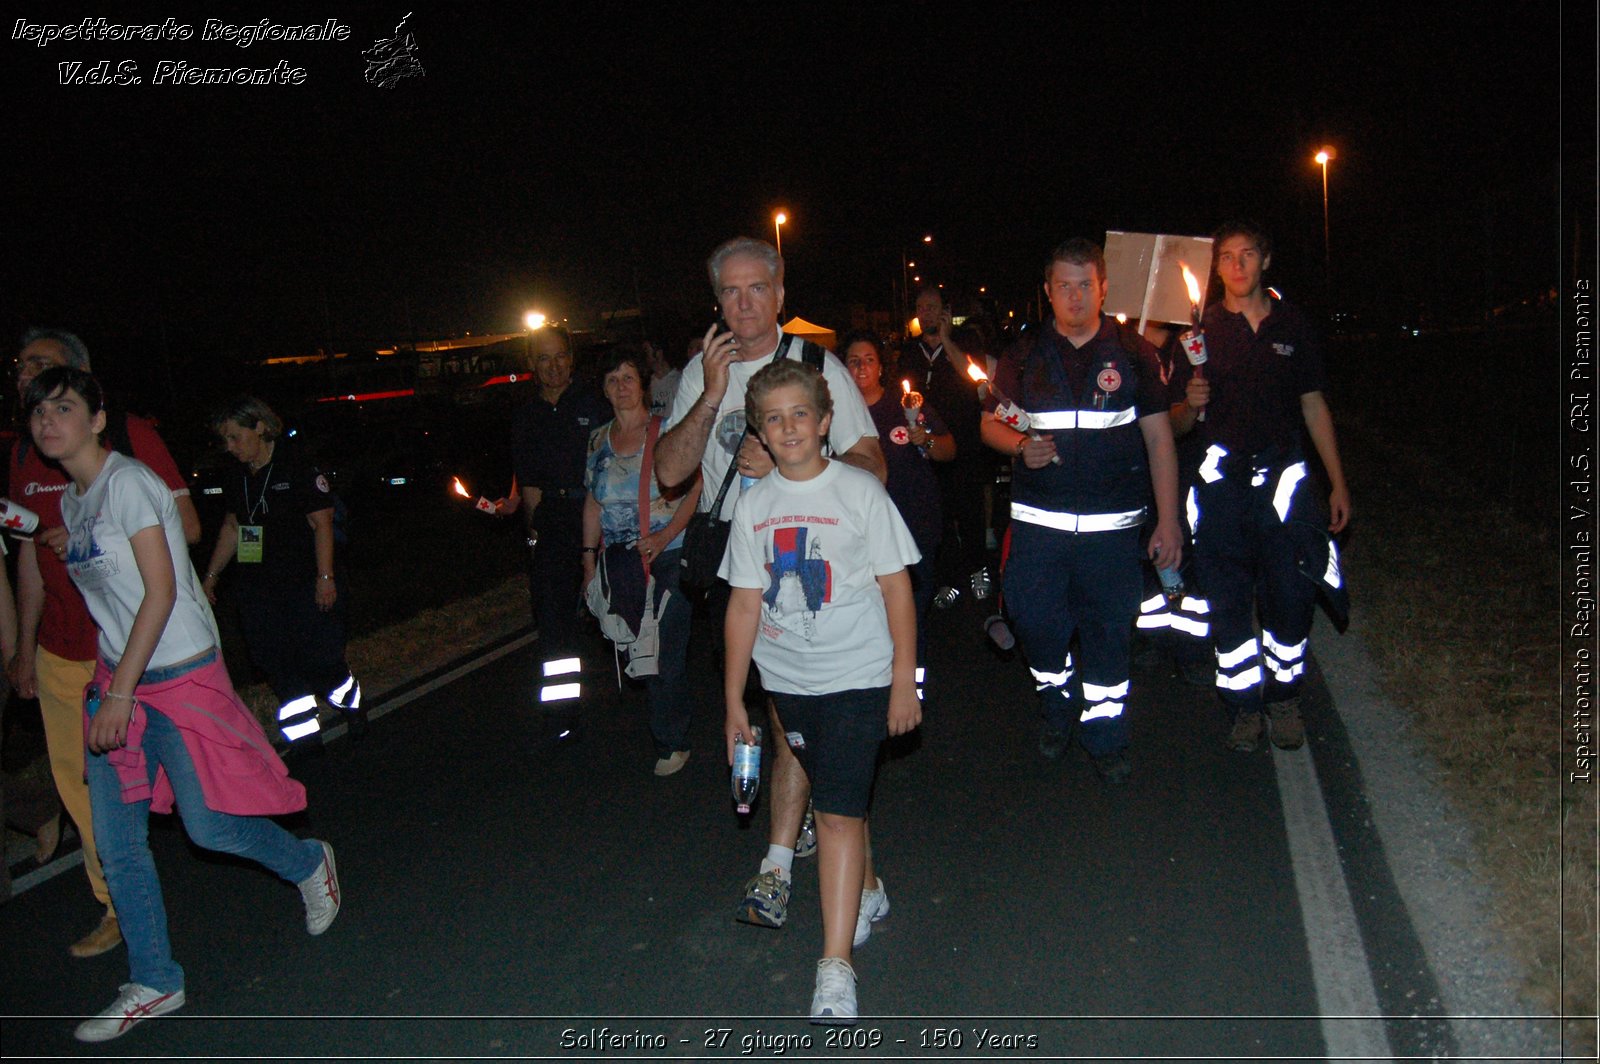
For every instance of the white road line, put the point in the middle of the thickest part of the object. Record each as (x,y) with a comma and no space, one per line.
(1346,998)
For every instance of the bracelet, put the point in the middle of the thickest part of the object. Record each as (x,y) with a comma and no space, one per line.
(1021,443)
(591,550)
(125,698)
(212,574)
(324,576)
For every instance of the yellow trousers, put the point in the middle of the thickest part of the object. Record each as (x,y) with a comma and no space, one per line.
(61,684)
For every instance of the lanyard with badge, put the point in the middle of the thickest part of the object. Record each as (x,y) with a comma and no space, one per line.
(251,535)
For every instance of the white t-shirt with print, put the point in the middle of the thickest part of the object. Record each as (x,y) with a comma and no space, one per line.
(126,498)
(850,418)
(816,548)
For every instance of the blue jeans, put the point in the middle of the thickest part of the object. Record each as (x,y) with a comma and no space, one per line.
(122,831)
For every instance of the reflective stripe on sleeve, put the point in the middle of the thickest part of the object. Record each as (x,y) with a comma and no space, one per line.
(1066,522)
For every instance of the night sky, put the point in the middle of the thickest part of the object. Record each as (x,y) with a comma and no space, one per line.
(576,157)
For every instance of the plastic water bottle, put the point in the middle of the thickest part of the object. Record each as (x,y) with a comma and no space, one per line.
(1171,584)
(746,770)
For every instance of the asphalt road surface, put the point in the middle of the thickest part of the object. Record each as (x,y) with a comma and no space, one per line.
(509,895)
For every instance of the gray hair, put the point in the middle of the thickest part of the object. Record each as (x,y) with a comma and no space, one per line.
(77,353)
(747,246)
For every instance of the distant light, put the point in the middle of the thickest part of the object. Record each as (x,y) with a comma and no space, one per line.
(397,481)
(982,290)
(781,218)
(928,239)
(1416,332)
(1324,156)
(294,432)
(534,320)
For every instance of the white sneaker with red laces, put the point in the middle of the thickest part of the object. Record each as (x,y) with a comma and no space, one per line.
(321,893)
(135,1002)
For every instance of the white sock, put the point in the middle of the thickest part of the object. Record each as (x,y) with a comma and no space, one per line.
(781,858)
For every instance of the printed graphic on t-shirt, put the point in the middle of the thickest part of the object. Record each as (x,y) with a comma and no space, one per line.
(89,564)
(799,582)
(730,431)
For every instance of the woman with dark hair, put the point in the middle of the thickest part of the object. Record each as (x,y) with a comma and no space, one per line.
(911,441)
(280,530)
(621,453)
(163,725)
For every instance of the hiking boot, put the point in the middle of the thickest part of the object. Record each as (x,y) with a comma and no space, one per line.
(1288,730)
(806,844)
(106,936)
(874,907)
(766,900)
(321,893)
(834,1000)
(1246,733)
(135,1002)
(1052,744)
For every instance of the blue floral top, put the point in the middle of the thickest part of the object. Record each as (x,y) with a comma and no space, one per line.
(613,480)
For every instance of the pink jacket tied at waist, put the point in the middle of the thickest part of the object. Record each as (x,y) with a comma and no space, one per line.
(239,771)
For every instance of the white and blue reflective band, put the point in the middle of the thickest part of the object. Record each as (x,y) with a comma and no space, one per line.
(1288,480)
(561,667)
(560,692)
(1082,419)
(1066,522)
(1211,467)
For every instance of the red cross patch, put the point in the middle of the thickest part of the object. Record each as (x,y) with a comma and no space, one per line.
(1109,380)
(899,435)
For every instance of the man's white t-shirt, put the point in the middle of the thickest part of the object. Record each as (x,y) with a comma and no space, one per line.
(851,421)
(815,548)
(126,498)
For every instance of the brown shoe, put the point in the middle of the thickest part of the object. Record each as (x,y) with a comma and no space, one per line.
(1246,732)
(1288,730)
(105,937)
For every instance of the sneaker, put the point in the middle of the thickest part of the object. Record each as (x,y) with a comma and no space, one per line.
(946,597)
(1114,769)
(1052,744)
(981,584)
(766,900)
(321,893)
(806,844)
(1287,729)
(666,766)
(136,1002)
(1246,733)
(834,1000)
(874,907)
(106,936)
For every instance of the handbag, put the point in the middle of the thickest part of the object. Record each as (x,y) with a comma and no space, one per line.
(705,540)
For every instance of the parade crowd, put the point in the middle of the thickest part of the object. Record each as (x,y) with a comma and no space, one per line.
(809,513)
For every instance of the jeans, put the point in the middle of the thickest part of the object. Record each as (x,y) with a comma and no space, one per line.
(122,832)
(668,690)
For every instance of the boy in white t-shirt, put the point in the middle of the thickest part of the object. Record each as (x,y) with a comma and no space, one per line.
(817,559)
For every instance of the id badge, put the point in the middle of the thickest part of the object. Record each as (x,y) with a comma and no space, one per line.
(251,541)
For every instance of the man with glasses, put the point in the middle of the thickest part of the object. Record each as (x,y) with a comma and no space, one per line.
(1261,537)
(57,645)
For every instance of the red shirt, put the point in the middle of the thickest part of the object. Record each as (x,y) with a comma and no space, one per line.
(66,629)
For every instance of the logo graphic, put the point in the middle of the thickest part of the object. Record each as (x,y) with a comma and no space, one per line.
(1284,349)
(322,484)
(799,582)
(389,60)
(1109,380)
(899,435)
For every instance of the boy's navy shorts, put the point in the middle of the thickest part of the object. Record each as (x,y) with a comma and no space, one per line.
(836,737)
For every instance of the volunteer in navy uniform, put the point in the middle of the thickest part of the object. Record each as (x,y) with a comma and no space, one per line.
(1261,534)
(1098,444)
(278,541)
(549,452)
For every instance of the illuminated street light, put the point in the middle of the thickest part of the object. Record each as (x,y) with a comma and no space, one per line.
(777,228)
(534,320)
(1322,158)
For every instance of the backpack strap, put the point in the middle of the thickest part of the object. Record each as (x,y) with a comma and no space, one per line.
(646,470)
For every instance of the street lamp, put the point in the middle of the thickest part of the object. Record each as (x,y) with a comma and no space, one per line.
(777,228)
(1322,158)
(906,266)
(534,320)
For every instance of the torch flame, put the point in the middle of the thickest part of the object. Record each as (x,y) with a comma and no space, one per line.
(905,386)
(1191,284)
(460,488)
(975,373)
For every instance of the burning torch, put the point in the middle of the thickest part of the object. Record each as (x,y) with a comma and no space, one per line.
(460,489)
(1006,412)
(1193,339)
(18,519)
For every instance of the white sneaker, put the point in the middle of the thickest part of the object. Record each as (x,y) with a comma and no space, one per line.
(136,1002)
(874,907)
(321,893)
(834,1000)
